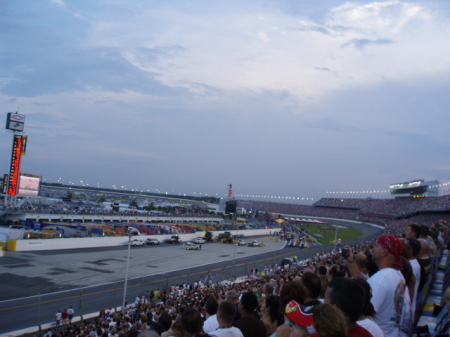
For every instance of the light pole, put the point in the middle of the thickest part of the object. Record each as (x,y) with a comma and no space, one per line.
(335,236)
(126,274)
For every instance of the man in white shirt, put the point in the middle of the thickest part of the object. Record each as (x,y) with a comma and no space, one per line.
(58,318)
(70,313)
(225,316)
(415,249)
(389,297)
(211,323)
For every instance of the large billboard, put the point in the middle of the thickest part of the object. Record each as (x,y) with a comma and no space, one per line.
(15,122)
(29,185)
(14,170)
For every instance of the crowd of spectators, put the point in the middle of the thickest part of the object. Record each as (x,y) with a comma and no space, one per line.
(327,295)
(88,210)
(378,211)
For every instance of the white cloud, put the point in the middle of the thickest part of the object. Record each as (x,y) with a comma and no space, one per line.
(275,51)
(171,88)
(59,3)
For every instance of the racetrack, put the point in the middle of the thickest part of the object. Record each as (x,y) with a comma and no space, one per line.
(90,279)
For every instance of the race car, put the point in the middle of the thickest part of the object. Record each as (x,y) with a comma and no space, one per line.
(190,246)
(199,240)
(254,243)
(153,241)
(241,242)
(136,243)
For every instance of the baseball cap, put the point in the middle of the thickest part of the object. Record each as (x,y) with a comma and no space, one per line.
(296,315)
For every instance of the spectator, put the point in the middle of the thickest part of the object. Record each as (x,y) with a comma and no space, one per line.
(232,296)
(335,271)
(322,270)
(348,296)
(211,323)
(64,316)
(290,291)
(412,231)
(361,261)
(365,319)
(165,320)
(249,325)
(192,323)
(312,284)
(148,333)
(301,324)
(70,313)
(388,286)
(176,330)
(330,321)
(58,318)
(267,290)
(225,316)
(415,246)
(270,313)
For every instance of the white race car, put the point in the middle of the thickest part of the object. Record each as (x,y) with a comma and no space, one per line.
(136,242)
(190,246)
(153,241)
(254,243)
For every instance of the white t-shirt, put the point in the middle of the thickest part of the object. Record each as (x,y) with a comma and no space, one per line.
(227,332)
(389,300)
(371,326)
(211,324)
(406,327)
(416,271)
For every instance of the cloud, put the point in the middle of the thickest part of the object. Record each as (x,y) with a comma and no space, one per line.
(361,43)
(59,3)
(264,96)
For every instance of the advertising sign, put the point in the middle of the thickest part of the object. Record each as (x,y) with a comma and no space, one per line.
(29,185)
(5,184)
(15,122)
(14,169)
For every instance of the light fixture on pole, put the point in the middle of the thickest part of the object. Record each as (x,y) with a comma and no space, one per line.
(126,274)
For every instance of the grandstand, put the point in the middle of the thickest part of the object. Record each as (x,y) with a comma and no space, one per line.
(395,212)
(415,188)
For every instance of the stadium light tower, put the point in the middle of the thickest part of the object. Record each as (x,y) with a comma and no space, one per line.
(126,274)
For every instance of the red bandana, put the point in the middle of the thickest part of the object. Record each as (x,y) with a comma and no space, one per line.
(394,246)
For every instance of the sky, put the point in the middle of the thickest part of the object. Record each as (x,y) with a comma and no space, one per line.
(276,97)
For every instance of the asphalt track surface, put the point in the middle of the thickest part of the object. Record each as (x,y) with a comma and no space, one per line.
(35,285)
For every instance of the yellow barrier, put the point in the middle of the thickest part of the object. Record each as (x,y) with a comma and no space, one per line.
(12,244)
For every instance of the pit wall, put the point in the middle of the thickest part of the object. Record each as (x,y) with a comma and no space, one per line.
(112,241)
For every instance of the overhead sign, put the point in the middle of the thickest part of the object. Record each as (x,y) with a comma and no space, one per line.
(14,169)
(15,122)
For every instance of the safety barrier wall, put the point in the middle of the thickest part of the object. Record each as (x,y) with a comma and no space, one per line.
(125,218)
(95,242)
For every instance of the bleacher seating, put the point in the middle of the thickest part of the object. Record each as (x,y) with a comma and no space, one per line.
(435,315)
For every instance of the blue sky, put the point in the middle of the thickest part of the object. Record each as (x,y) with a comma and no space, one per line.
(279,98)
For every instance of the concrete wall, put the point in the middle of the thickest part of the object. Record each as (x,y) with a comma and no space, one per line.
(81,217)
(110,241)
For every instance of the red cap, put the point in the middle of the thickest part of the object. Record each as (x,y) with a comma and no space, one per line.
(296,315)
